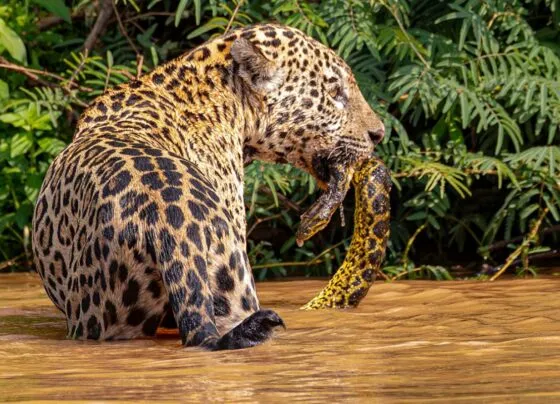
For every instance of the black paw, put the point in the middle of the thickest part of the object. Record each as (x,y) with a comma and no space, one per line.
(266,318)
(254,330)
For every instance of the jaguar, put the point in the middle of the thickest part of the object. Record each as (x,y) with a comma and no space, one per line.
(140,221)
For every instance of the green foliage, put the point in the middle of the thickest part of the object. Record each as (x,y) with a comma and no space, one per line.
(57,7)
(468,90)
(11,43)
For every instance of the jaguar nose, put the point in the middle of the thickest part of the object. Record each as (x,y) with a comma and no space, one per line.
(376,135)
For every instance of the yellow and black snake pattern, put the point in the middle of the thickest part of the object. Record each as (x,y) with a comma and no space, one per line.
(351,282)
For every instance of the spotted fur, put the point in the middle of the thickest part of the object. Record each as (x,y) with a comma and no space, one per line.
(140,221)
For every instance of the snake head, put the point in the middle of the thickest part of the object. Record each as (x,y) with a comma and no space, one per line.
(319,214)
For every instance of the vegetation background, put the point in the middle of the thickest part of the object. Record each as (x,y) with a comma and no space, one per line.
(468,89)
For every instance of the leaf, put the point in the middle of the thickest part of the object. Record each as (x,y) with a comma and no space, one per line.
(23,214)
(29,118)
(180,10)
(432,220)
(417,216)
(254,196)
(110,60)
(217,22)
(11,42)
(543,99)
(6,220)
(526,212)
(57,7)
(51,145)
(270,184)
(20,144)
(553,128)
(198,11)
(4,90)
(552,207)
(33,185)
(465,110)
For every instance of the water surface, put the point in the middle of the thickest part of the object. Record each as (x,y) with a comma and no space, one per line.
(407,342)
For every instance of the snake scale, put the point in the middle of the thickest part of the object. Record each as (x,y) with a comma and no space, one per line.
(372,184)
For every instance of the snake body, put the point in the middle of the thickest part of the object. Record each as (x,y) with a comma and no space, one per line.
(351,282)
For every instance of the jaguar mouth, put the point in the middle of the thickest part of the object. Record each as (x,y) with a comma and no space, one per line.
(344,155)
(320,170)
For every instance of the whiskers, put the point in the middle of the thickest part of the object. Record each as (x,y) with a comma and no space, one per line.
(349,151)
(336,151)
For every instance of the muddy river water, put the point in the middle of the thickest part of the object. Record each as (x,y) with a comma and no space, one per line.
(407,342)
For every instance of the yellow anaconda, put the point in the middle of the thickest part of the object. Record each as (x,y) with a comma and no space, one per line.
(351,282)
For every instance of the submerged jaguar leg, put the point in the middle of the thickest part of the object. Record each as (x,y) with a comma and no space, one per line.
(194,309)
(204,272)
(350,284)
(190,299)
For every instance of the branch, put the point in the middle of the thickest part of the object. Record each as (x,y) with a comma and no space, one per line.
(106,8)
(418,172)
(262,220)
(105,14)
(11,262)
(530,237)
(48,22)
(233,15)
(148,15)
(405,33)
(123,29)
(34,74)
(292,205)
(52,20)
(410,242)
(78,69)
(29,73)
(501,244)
(539,256)
(286,264)
(139,64)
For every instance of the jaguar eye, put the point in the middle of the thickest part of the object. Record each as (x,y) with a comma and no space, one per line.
(336,92)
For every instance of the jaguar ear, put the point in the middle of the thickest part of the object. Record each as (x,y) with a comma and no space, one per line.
(255,68)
